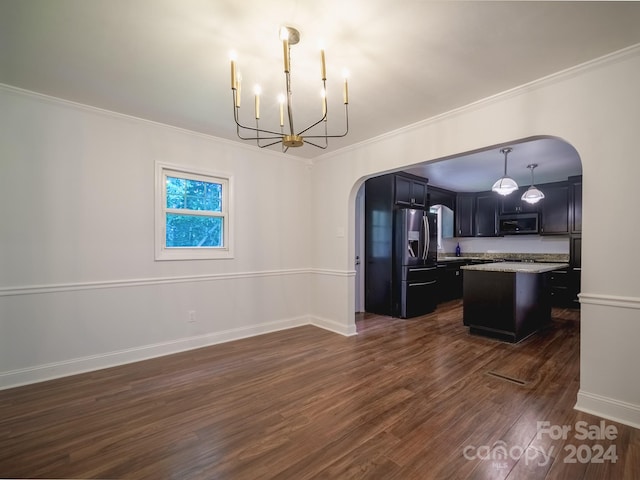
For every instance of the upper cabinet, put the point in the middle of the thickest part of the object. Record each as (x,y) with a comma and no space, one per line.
(410,191)
(465,214)
(440,196)
(560,211)
(486,214)
(513,203)
(554,209)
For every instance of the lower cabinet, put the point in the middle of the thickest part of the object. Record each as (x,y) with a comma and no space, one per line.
(565,287)
(450,280)
(564,284)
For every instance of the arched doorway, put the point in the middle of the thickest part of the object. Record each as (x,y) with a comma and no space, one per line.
(558,167)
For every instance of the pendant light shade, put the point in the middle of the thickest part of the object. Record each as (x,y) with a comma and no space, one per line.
(532,195)
(505,185)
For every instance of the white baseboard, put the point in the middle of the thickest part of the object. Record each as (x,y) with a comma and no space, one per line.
(609,408)
(50,371)
(332,326)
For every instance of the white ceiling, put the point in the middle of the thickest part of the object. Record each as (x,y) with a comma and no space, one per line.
(477,171)
(167,60)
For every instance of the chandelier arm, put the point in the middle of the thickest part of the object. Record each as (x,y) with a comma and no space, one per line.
(269,144)
(337,135)
(257,130)
(315,144)
(258,138)
(244,127)
(311,126)
(326,141)
(324,116)
(238,127)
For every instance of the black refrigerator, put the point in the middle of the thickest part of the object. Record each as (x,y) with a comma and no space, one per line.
(401,252)
(415,244)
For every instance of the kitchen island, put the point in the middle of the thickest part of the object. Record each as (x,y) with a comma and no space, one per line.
(507,300)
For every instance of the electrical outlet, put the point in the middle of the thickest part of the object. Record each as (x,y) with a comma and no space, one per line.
(192,316)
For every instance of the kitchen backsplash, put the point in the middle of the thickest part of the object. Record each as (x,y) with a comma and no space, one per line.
(493,247)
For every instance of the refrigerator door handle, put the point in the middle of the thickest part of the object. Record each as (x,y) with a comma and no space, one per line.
(427,237)
(422,284)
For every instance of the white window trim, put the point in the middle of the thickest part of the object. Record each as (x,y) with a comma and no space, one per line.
(191,253)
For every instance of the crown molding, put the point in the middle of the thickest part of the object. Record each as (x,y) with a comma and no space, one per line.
(560,76)
(42,97)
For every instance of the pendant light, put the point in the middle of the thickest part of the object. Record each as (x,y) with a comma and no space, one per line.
(506,184)
(532,195)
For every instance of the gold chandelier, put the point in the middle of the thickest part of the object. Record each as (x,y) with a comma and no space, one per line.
(291,137)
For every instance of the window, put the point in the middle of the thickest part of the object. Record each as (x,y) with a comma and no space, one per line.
(192,214)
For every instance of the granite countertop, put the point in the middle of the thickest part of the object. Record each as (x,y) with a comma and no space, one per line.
(506,257)
(461,258)
(516,267)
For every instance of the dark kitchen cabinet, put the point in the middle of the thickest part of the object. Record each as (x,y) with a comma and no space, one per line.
(379,204)
(410,192)
(564,287)
(450,280)
(486,215)
(513,203)
(576,204)
(575,259)
(565,283)
(381,201)
(440,196)
(554,209)
(575,251)
(560,287)
(465,214)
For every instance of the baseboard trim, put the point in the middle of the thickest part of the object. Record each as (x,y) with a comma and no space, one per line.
(609,408)
(333,326)
(50,371)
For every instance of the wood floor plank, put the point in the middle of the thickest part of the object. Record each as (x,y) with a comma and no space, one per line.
(401,400)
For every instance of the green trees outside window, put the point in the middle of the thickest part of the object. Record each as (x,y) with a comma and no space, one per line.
(191,213)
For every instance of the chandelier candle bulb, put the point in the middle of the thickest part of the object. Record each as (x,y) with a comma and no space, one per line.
(281,102)
(284,36)
(324,67)
(234,82)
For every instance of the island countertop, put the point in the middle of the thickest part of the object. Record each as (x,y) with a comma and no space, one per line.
(516,267)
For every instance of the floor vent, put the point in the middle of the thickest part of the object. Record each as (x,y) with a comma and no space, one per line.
(505,377)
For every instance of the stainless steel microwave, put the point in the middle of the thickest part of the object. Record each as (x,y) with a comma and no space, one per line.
(518,224)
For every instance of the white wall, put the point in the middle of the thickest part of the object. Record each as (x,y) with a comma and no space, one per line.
(79,287)
(596,108)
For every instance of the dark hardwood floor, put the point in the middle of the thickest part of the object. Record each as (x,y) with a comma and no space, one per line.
(405,399)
